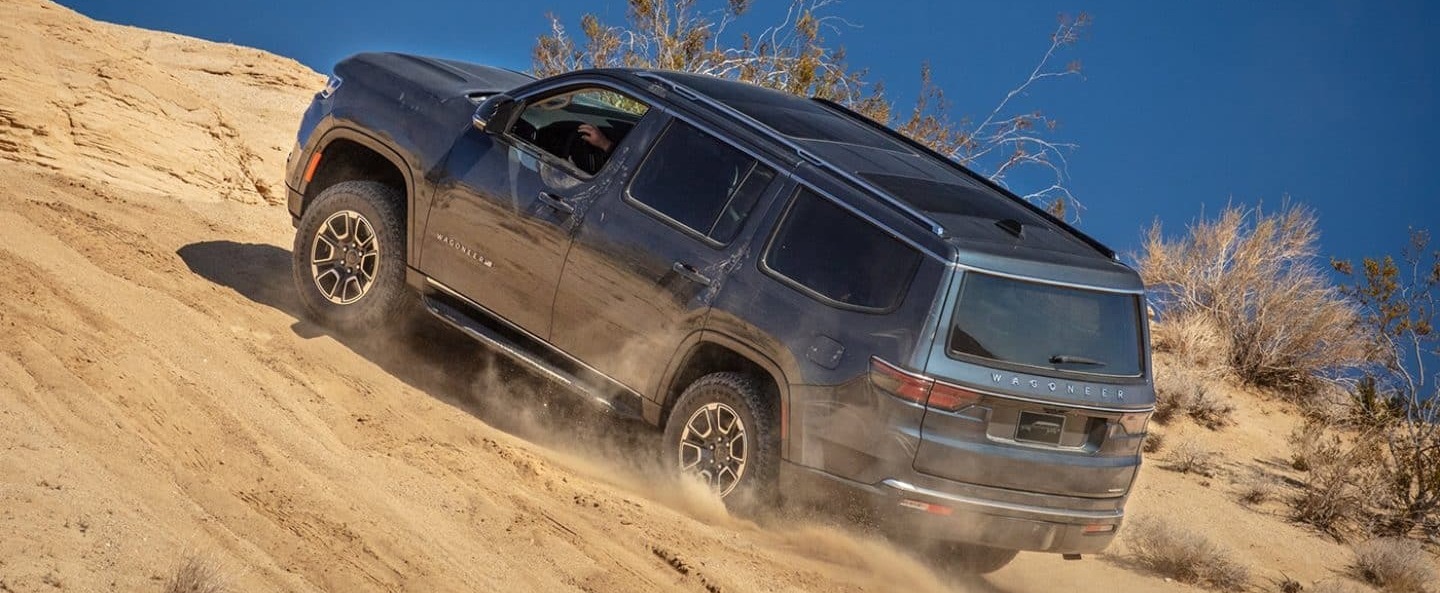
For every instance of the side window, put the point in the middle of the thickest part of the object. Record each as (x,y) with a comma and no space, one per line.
(699,182)
(579,126)
(840,256)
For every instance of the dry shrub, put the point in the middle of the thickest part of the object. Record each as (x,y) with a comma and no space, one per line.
(1154,442)
(196,575)
(1190,457)
(1253,276)
(1257,491)
(1288,585)
(1173,392)
(1185,556)
(1185,392)
(1208,409)
(1340,480)
(1394,565)
(1194,341)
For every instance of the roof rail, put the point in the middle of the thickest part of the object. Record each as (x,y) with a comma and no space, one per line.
(1087,239)
(890,200)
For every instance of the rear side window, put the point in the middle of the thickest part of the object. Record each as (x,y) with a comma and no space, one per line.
(837,255)
(699,182)
(1047,326)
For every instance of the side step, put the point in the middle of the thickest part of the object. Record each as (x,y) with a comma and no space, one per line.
(596,391)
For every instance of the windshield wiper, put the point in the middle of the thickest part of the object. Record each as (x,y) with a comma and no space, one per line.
(1072,359)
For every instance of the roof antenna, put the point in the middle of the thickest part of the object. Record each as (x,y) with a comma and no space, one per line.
(1011,226)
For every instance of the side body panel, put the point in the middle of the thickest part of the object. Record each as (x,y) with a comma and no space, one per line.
(636,285)
(835,421)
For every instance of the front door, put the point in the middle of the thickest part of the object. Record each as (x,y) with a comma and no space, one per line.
(507,205)
(650,259)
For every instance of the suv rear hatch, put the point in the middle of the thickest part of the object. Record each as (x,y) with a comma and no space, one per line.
(1037,387)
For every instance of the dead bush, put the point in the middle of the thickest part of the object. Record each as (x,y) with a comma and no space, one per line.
(1154,442)
(1254,277)
(1394,565)
(1185,392)
(1341,478)
(196,575)
(1185,556)
(1172,395)
(1257,491)
(1194,341)
(1190,457)
(1208,409)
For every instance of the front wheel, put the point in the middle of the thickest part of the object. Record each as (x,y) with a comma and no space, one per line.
(349,257)
(723,429)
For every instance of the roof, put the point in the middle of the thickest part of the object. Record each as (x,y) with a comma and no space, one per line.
(975,213)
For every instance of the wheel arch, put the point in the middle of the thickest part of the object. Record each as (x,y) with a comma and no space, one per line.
(708,352)
(347,154)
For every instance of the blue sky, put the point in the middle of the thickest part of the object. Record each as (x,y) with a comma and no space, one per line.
(1183,107)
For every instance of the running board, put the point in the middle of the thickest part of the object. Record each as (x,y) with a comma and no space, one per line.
(622,404)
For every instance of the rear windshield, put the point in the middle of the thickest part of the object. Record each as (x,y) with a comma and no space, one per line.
(1047,326)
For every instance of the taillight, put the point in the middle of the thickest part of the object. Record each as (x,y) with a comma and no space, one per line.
(1134,423)
(917,388)
(951,398)
(900,383)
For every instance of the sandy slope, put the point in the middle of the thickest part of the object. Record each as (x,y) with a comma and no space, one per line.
(159,395)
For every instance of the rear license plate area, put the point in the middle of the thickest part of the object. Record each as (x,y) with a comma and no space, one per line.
(1044,429)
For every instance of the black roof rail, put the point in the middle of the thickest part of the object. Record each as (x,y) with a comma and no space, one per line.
(904,208)
(1091,241)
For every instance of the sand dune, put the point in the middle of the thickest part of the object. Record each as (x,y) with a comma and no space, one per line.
(160,396)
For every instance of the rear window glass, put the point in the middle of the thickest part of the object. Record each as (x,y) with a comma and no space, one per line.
(1046,326)
(840,256)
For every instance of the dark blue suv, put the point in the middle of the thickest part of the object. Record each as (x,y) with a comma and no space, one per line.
(808,303)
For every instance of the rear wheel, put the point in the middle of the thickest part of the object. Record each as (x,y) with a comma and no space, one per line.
(349,257)
(723,429)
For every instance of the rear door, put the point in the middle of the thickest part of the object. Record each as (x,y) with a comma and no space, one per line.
(649,259)
(507,206)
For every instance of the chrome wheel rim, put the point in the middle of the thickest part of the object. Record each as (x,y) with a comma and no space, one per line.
(344,257)
(714,446)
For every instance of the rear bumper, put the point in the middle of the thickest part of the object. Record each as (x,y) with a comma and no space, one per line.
(915,513)
(947,516)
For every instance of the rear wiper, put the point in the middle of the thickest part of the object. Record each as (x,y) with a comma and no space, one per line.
(1071,359)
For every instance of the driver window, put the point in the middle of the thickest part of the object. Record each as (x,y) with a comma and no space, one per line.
(582,127)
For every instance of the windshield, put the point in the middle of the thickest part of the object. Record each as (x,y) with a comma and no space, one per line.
(1047,326)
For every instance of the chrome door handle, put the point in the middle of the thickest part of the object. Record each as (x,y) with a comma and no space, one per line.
(689,272)
(555,203)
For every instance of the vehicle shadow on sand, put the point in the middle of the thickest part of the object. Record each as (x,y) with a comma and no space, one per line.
(425,354)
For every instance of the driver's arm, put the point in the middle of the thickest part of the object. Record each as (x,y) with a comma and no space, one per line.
(596,138)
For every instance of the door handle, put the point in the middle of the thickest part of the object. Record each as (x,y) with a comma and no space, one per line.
(555,203)
(689,272)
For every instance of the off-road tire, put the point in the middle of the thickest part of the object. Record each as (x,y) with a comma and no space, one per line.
(757,410)
(387,299)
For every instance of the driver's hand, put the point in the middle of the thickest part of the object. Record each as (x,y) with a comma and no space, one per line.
(595,137)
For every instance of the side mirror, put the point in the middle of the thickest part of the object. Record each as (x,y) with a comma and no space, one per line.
(496,114)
